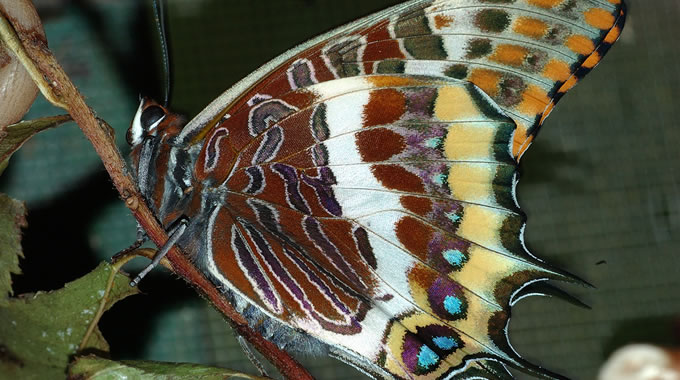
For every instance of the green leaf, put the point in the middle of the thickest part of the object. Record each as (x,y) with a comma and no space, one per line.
(14,136)
(41,332)
(12,219)
(94,368)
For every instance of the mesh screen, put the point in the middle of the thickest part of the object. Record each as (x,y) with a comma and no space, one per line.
(601,185)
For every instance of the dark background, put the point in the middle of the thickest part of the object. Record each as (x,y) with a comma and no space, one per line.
(601,185)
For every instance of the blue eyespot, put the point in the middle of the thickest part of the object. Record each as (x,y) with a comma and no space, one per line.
(426,357)
(445,343)
(433,142)
(453,216)
(454,257)
(453,305)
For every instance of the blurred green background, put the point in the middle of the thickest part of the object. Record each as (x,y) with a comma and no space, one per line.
(601,185)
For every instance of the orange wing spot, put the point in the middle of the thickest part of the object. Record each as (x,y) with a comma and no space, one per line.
(535,100)
(486,79)
(568,85)
(512,55)
(580,44)
(547,112)
(613,35)
(557,70)
(385,106)
(545,3)
(592,61)
(530,27)
(615,1)
(392,81)
(599,18)
(442,21)
(523,148)
(518,139)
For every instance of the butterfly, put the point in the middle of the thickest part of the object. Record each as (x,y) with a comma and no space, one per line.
(355,197)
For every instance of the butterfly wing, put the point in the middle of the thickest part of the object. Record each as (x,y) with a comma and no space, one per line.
(361,189)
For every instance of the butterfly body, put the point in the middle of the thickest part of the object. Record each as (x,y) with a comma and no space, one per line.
(359,191)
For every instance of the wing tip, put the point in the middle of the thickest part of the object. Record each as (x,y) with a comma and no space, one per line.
(584,66)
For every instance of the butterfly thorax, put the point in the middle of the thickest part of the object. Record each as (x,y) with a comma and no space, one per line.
(163,164)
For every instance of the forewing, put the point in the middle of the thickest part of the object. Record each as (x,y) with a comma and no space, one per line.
(525,54)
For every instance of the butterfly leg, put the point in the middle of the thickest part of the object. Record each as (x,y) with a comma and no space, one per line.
(141,239)
(141,234)
(251,355)
(174,235)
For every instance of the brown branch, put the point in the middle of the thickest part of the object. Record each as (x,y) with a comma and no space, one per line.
(58,88)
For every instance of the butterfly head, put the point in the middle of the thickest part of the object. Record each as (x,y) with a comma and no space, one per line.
(151,118)
(151,135)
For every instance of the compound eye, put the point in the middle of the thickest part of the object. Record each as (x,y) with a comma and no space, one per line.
(151,116)
(146,119)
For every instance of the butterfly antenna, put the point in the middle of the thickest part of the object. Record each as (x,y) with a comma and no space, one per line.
(159,17)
